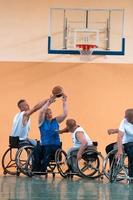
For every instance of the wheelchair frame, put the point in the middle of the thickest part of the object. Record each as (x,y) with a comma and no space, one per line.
(11,159)
(90,167)
(19,158)
(9,162)
(118,170)
(50,168)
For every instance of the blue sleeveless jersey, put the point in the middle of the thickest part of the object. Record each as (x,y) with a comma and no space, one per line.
(49,131)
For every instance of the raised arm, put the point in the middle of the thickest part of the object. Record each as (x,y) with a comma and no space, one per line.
(80,136)
(61,118)
(36,107)
(31,111)
(44,108)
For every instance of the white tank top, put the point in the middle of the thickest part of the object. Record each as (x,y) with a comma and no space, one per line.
(18,129)
(77,143)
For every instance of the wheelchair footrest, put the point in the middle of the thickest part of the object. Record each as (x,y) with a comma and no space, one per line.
(39,173)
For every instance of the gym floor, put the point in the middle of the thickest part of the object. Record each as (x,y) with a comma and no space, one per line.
(15,188)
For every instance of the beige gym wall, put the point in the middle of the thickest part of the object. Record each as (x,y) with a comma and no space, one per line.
(97,94)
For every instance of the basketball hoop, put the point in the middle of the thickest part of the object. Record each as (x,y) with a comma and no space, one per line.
(86,50)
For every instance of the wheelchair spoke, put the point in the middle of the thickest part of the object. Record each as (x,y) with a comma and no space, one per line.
(89,165)
(22,157)
(116,169)
(84,168)
(8,161)
(9,165)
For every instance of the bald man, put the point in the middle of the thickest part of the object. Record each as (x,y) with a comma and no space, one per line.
(80,140)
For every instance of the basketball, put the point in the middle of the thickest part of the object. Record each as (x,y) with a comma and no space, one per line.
(57,91)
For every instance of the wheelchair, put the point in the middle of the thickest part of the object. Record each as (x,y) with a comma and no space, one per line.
(117,170)
(15,157)
(57,165)
(51,168)
(89,166)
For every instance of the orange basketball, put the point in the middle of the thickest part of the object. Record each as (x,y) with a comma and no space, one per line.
(57,91)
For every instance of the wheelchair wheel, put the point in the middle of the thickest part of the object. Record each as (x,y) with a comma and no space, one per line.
(89,165)
(22,157)
(118,169)
(114,170)
(28,166)
(61,162)
(9,162)
(107,168)
(106,163)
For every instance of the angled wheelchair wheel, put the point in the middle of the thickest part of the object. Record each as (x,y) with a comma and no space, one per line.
(9,162)
(106,163)
(114,170)
(118,169)
(110,172)
(89,166)
(61,162)
(28,165)
(22,157)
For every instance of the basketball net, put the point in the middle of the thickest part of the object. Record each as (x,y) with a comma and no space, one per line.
(86,50)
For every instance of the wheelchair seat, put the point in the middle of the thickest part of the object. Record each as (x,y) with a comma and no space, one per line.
(14,141)
(23,143)
(92,147)
(90,155)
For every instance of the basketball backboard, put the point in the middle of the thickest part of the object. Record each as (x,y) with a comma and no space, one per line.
(101,27)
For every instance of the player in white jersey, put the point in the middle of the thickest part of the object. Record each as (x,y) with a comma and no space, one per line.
(21,121)
(80,140)
(125,138)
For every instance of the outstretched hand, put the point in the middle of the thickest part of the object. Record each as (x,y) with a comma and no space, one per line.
(112,131)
